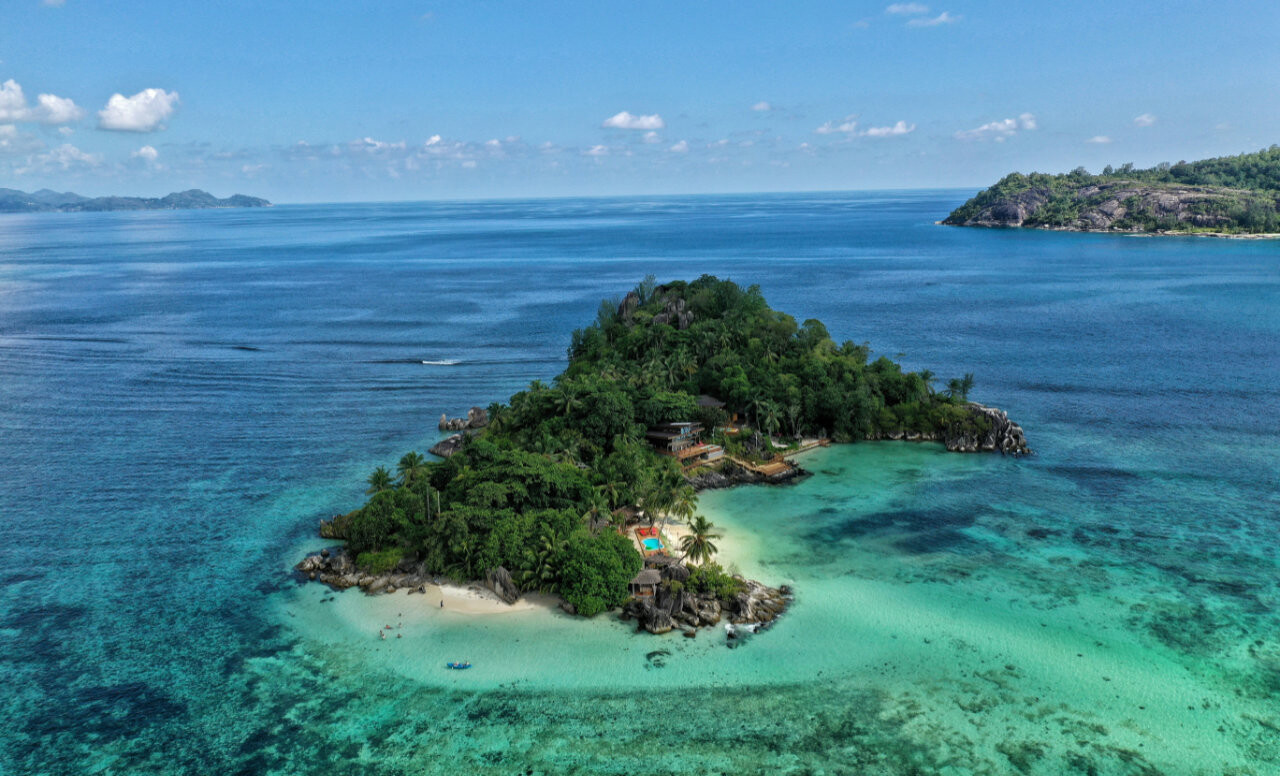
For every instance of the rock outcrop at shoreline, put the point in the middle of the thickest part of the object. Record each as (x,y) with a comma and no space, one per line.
(731,474)
(476,419)
(1002,435)
(672,607)
(447,446)
(338,570)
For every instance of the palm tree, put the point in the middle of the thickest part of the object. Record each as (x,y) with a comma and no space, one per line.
(612,491)
(927,376)
(757,407)
(541,576)
(959,387)
(793,417)
(596,506)
(569,402)
(697,546)
(379,481)
(411,467)
(684,500)
(769,423)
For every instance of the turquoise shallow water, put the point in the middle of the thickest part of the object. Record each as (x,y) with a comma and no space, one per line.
(183,395)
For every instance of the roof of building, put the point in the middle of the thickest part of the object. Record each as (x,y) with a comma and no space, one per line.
(707,400)
(647,577)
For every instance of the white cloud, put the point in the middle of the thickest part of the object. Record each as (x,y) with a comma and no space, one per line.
(14,142)
(143,112)
(1145,120)
(597,150)
(13,104)
(1100,139)
(61,159)
(900,128)
(680,148)
(907,9)
(847,125)
(626,120)
(762,106)
(49,108)
(146,152)
(651,137)
(934,21)
(369,145)
(433,140)
(66,131)
(57,110)
(999,130)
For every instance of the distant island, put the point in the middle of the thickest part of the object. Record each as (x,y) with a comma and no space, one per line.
(44,200)
(1228,196)
(586,488)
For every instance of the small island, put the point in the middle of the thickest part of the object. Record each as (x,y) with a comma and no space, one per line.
(1233,196)
(586,488)
(44,201)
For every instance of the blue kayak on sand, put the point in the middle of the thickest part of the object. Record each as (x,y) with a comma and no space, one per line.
(458,666)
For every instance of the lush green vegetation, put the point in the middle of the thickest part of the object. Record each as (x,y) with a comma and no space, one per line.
(1246,193)
(537,490)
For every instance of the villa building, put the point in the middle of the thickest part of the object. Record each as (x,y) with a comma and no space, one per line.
(680,441)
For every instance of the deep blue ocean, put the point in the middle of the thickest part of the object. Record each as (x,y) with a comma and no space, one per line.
(183,395)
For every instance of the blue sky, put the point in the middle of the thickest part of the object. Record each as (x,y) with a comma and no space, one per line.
(398,100)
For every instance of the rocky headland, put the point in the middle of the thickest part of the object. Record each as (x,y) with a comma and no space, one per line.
(1228,196)
(1118,206)
(1001,435)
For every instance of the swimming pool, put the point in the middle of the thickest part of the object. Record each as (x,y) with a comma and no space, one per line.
(652,543)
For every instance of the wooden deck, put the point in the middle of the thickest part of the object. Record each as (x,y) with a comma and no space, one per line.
(778,465)
(767,469)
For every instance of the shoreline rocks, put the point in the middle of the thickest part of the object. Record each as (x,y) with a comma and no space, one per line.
(1002,435)
(731,474)
(337,569)
(672,607)
(476,419)
(447,446)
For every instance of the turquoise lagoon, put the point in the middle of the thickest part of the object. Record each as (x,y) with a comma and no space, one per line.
(185,394)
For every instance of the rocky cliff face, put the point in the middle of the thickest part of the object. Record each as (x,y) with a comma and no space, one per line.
(1112,206)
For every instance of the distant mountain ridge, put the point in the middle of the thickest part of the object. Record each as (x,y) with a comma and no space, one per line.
(45,200)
